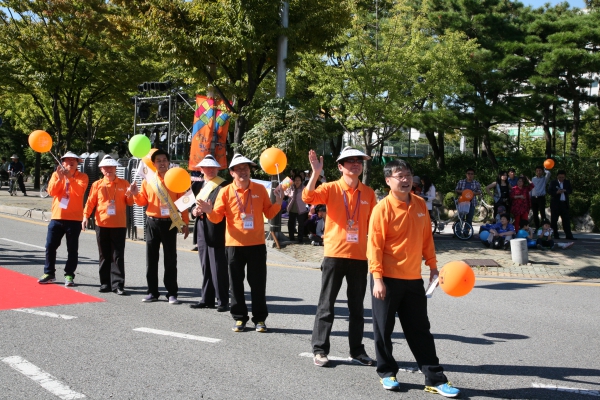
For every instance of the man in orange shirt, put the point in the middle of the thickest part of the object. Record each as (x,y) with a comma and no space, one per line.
(243,204)
(67,185)
(162,224)
(399,238)
(349,205)
(110,196)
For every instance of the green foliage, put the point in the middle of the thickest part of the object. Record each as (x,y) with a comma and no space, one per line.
(595,211)
(449,200)
(579,205)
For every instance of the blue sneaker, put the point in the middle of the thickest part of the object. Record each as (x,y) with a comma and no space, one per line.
(445,389)
(390,383)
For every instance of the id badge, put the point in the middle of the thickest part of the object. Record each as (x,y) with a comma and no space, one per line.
(164,211)
(351,234)
(248,222)
(64,203)
(111,209)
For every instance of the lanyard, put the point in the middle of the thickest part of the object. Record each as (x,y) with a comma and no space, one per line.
(107,194)
(239,203)
(351,219)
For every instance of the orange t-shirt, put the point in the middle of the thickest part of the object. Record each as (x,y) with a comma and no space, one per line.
(147,197)
(71,188)
(399,238)
(335,238)
(102,193)
(226,206)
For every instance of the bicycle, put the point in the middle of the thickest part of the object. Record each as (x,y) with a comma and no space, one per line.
(12,186)
(484,210)
(461,228)
(44,185)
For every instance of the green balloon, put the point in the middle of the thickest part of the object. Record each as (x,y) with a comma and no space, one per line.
(139,145)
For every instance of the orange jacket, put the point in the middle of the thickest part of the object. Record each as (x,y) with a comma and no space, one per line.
(332,194)
(147,197)
(399,238)
(226,206)
(57,188)
(101,194)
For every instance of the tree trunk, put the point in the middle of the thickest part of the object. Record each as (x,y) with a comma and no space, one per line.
(367,165)
(575,127)
(241,124)
(335,144)
(554,125)
(435,147)
(57,123)
(441,161)
(487,145)
(476,145)
(89,130)
(546,126)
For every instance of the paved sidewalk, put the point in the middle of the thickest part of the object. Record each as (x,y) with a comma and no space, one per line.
(579,263)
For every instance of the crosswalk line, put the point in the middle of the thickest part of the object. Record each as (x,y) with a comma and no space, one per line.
(177,335)
(44,313)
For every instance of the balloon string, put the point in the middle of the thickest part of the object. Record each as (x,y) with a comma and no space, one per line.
(59,163)
(278,177)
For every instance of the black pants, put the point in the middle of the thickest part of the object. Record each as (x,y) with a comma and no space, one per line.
(111,249)
(215,282)
(157,232)
(538,206)
(56,230)
(333,272)
(561,210)
(21,184)
(301,219)
(255,259)
(407,299)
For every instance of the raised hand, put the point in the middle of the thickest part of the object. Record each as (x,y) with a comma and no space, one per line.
(316,163)
(133,189)
(205,206)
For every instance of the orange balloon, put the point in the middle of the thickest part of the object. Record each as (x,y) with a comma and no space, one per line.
(40,141)
(549,163)
(148,160)
(273,161)
(178,180)
(467,195)
(457,278)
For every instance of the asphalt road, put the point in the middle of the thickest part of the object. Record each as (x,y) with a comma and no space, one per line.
(506,339)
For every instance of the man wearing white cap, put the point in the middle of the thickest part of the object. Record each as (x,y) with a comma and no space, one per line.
(110,196)
(243,204)
(67,185)
(349,205)
(211,240)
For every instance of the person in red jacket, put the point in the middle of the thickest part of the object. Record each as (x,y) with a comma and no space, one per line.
(399,238)
(67,185)
(110,196)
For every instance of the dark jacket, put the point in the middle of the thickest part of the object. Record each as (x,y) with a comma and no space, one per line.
(213,233)
(555,197)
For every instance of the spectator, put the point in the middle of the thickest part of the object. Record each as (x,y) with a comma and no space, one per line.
(16,168)
(501,192)
(538,195)
(469,183)
(349,203)
(512,178)
(544,240)
(521,200)
(162,218)
(4,169)
(67,185)
(416,186)
(110,197)
(501,233)
(560,190)
(399,239)
(317,237)
(297,209)
(428,192)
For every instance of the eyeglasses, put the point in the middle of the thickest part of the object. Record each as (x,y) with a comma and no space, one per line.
(353,160)
(470,173)
(400,177)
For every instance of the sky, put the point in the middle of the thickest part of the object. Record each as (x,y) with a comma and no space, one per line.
(540,3)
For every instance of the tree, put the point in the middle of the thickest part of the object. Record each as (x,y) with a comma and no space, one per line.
(66,57)
(232,44)
(391,64)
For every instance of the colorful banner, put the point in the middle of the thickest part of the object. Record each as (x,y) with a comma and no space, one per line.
(209,133)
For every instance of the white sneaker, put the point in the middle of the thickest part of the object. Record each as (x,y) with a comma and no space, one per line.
(173,300)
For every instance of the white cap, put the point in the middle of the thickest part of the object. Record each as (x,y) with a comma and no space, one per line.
(70,154)
(352,152)
(209,161)
(416,180)
(14,156)
(108,161)
(240,159)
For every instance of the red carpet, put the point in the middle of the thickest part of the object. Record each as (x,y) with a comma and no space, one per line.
(23,291)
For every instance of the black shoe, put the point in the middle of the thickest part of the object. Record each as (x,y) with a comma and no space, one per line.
(120,292)
(201,305)
(24,194)
(222,308)
(104,289)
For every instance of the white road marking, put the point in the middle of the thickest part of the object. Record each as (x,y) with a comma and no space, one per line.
(44,379)
(587,392)
(177,335)
(25,244)
(43,313)
(349,360)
